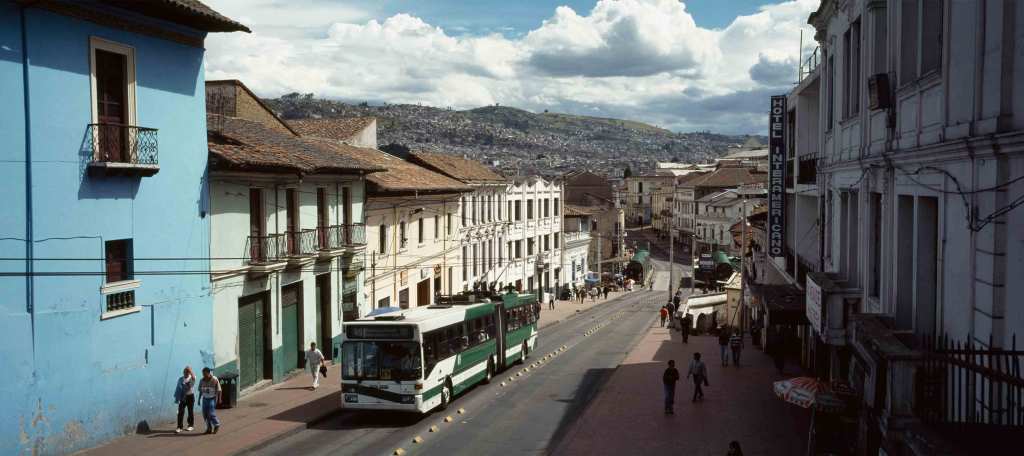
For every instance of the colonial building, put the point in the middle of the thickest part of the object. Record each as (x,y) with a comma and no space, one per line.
(287,238)
(907,149)
(578,223)
(534,235)
(607,236)
(414,220)
(643,194)
(717,213)
(103,167)
(483,222)
(697,190)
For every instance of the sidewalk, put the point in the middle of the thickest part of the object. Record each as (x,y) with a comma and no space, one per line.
(566,309)
(738,405)
(259,417)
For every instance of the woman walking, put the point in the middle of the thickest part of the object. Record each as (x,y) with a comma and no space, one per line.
(185,397)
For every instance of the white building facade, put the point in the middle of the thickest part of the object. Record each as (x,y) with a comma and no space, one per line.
(534,243)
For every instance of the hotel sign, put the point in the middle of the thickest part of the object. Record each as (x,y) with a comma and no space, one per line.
(777,177)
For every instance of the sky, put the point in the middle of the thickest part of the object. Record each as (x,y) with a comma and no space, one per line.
(690,65)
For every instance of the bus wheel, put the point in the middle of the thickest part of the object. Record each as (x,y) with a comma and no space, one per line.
(446,394)
(490,371)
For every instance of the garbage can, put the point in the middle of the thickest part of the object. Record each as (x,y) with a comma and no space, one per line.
(228,390)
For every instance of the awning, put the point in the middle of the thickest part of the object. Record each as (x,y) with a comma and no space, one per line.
(640,256)
(784,303)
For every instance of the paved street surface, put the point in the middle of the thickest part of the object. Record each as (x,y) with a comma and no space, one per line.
(527,416)
(738,405)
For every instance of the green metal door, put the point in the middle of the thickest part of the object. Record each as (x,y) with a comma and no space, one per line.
(250,342)
(290,343)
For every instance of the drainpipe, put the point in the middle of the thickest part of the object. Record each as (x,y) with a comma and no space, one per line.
(29,235)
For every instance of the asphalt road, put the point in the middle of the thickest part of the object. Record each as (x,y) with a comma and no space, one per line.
(528,415)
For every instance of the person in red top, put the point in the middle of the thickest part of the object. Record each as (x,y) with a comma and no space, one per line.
(664,315)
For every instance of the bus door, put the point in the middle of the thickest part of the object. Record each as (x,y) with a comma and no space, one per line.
(501,326)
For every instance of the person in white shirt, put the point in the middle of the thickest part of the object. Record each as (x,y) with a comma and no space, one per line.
(314,359)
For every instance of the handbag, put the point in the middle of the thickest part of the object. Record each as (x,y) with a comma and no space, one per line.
(323,371)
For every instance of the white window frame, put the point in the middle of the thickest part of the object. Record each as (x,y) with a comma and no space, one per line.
(97,43)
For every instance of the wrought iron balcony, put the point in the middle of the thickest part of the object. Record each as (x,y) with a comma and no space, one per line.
(302,242)
(265,249)
(122,150)
(337,237)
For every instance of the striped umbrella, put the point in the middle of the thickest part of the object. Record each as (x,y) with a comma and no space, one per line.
(809,392)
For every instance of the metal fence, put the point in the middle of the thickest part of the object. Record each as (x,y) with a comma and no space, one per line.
(340,236)
(969,384)
(123,144)
(263,249)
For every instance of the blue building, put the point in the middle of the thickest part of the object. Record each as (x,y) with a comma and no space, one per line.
(103,238)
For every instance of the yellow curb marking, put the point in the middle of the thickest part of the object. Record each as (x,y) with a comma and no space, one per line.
(399,452)
(448,419)
(433,428)
(462,410)
(417,439)
(502,383)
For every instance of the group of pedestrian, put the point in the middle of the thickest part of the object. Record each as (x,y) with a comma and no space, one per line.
(210,392)
(696,371)
(730,342)
(209,396)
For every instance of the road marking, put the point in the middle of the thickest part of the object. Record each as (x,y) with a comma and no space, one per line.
(417,439)
(433,428)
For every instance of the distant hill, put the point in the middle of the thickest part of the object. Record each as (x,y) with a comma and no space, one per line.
(523,141)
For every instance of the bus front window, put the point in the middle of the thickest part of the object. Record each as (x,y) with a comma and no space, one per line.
(365,360)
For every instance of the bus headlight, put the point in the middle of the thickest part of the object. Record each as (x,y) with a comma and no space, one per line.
(351,398)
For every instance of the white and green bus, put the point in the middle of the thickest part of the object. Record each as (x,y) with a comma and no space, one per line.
(419,359)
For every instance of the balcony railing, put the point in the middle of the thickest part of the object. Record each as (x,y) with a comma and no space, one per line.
(117,149)
(810,63)
(265,249)
(302,242)
(336,237)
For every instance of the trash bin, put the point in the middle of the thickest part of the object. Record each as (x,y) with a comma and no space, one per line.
(228,390)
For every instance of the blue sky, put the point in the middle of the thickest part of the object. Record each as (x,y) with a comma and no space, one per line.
(686,65)
(512,18)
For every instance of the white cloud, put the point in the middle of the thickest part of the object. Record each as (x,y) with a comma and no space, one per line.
(641,59)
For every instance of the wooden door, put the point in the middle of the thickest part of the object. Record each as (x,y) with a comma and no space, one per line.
(321,217)
(111,105)
(292,220)
(257,225)
(324,316)
(292,348)
(251,340)
(423,293)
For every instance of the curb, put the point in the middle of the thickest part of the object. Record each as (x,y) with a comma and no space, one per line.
(290,432)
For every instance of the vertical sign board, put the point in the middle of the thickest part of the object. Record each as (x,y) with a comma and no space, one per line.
(777,177)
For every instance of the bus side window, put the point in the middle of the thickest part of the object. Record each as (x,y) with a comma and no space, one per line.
(430,349)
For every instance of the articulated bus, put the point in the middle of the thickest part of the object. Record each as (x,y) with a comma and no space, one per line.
(419,359)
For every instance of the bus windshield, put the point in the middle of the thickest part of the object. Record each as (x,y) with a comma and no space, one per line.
(380,360)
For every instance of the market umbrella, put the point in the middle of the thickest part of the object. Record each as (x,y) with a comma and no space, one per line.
(812,393)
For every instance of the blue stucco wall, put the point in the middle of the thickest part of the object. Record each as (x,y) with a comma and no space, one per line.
(78,380)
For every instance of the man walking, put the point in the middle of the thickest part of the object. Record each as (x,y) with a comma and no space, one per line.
(685,324)
(669,379)
(314,359)
(551,302)
(664,313)
(209,393)
(723,344)
(605,292)
(699,372)
(736,344)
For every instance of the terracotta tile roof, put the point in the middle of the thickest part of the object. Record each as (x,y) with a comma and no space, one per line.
(192,13)
(579,211)
(683,180)
(728,177)
(246,145)
(405,177)
(338,129)
(463,169)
